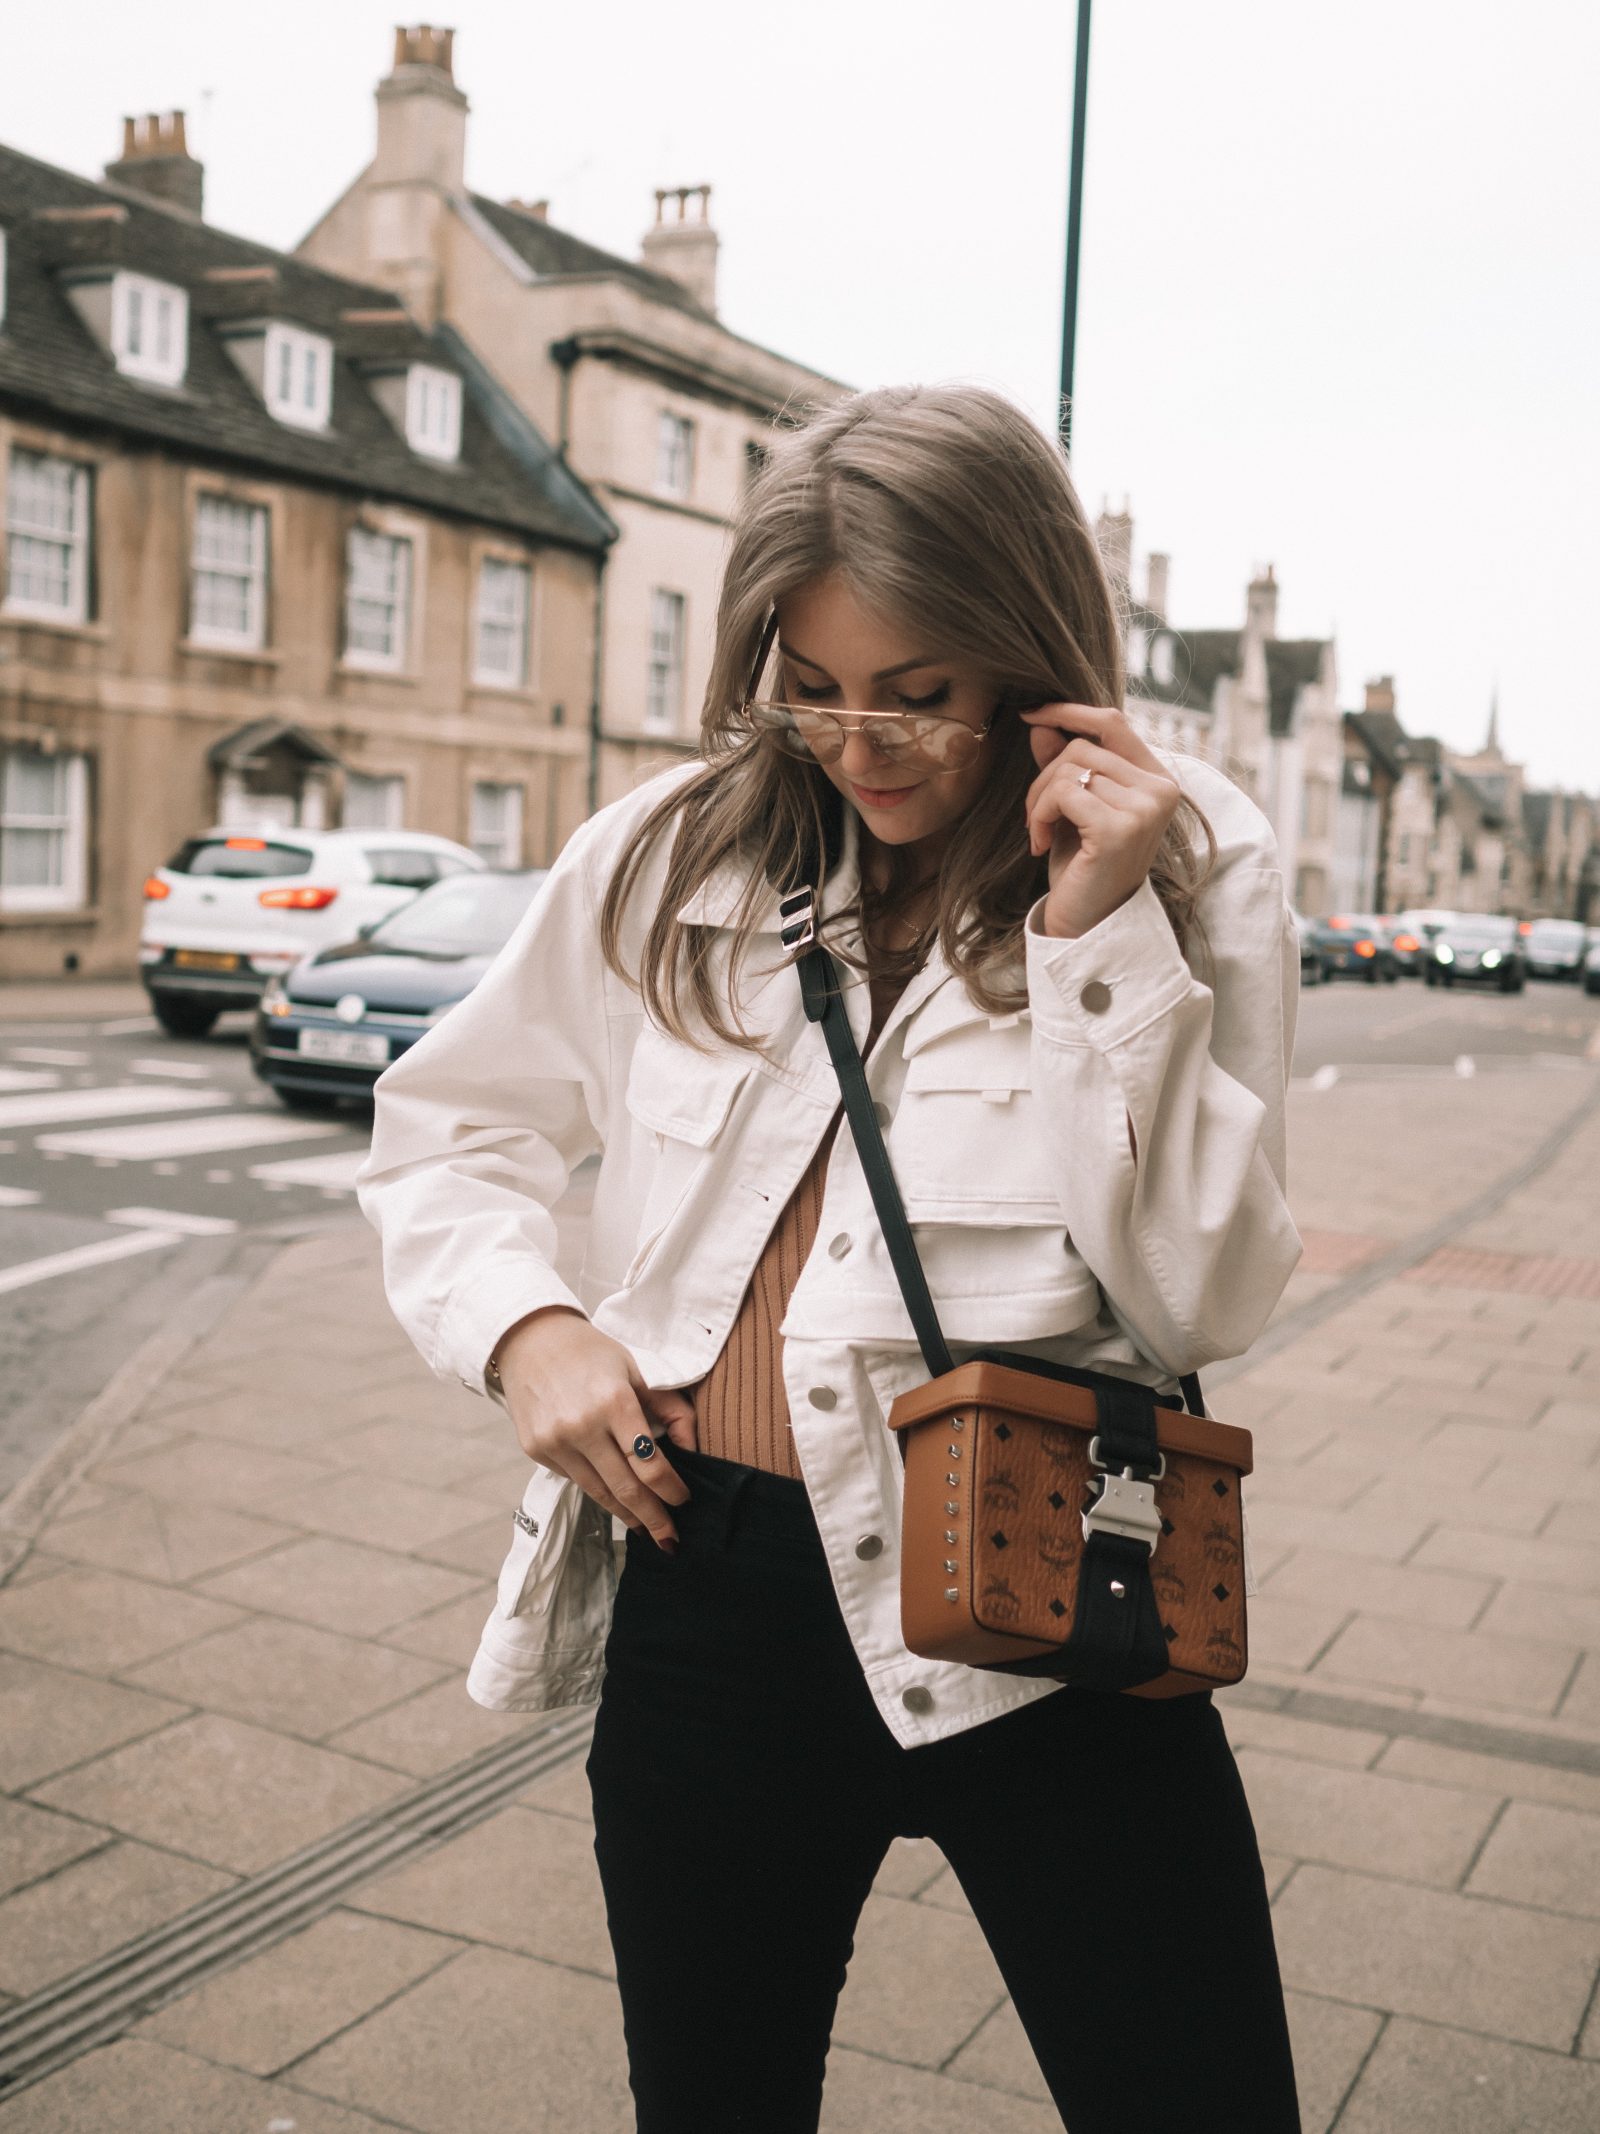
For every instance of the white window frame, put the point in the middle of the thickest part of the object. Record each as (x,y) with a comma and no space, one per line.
(149,328)
(393,660)
(385,786)
(433,411)
(73,540)
(663,692)
(248,569)
(675,443)
(511,624)
(69,824)
(308,357)
(496,844)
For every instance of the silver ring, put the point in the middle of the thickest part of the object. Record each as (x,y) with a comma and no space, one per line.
(1084,777)
(644,1446)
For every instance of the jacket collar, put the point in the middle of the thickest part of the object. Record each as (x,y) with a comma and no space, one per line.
(716,902)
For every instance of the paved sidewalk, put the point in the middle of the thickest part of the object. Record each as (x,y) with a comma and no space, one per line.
(70,1000)
(244,1630)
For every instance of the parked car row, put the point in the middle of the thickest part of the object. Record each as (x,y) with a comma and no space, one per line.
(232,910)
(1448,948)
(347,943)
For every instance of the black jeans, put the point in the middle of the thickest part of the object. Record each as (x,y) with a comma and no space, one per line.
(746,1790)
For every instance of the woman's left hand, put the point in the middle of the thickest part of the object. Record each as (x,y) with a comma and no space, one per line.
(1101,837)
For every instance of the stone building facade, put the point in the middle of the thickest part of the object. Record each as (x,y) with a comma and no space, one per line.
(270,552)
(1261,707)
(625,363)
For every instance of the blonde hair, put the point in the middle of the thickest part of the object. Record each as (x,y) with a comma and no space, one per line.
(947,510)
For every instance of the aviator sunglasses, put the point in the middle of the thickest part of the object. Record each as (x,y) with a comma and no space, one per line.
(921,740)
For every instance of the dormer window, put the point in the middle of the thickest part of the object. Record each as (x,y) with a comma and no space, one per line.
(433,411)
(297,377)
(149,329)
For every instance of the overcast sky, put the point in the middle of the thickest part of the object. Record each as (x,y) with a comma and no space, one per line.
(1341,283)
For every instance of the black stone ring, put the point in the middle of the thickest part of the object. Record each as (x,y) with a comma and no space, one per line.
(644,1446)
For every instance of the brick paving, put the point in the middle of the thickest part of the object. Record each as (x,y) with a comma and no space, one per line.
(244,1629)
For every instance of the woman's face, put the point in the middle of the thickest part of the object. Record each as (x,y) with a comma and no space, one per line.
(840,658)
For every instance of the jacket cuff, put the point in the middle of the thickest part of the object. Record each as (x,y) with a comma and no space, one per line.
(1104,986)
(487,1306)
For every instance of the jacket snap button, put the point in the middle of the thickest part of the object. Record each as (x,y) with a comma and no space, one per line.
(1095,997)
(917,1699)
(823,1397)
(840,1245)
(868,1546)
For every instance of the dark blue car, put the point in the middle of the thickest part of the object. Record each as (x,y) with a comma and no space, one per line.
(330,1027)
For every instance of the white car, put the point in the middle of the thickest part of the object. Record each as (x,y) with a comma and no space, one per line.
(234,908)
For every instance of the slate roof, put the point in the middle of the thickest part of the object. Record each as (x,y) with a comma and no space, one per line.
(1212,654)
(1483,796)
(548,250)
(53,367)
(1292,663)
(1383,736)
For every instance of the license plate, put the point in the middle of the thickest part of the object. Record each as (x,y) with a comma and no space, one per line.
(352,1048)
(204,959)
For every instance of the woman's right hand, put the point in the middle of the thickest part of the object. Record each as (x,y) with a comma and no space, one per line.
(578,1403)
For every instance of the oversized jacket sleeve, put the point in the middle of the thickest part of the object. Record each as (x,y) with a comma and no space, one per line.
(1183,1220)
(478,1127)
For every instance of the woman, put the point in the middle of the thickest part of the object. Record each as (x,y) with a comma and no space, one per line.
(1088,1134)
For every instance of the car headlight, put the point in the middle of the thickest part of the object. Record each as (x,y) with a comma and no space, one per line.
(1490,958)
(1445,953)
(274,998)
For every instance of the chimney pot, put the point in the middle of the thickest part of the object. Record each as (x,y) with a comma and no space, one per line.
(155,159)
(684,249)
(424,45)
(422,115)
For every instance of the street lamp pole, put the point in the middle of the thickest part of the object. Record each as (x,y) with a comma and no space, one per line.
(1069,319)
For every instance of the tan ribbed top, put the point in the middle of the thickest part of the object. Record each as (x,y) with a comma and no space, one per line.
(740,1405)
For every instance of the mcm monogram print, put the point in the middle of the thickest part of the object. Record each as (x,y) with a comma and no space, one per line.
(999,1602)
(1221,1548)
(1169,1586)
(1000,1492)
(1063,1448)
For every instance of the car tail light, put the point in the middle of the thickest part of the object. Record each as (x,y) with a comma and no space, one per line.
(299,899)
(1339,922)
(1406,942)
(1365,948)
(1524,926)
(246,844)
(155,888)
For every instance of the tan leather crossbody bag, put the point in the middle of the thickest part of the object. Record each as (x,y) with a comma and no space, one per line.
(1056,1522)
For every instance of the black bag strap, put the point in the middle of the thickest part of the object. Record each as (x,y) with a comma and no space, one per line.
(824,1003)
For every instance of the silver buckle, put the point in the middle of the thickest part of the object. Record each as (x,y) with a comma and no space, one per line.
(797,925)
(1126,1504)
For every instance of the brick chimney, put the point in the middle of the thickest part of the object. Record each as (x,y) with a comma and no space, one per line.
(1261,606)
(682,244)
(1155,594)
(422,115)
(1380,694)
(155,159)
(1113,533)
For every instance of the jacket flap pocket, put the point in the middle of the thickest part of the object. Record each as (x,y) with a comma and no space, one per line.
(949,1009)
(677,1090)
(974,1057)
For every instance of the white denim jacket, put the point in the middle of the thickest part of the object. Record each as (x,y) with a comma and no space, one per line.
(1037,1222)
